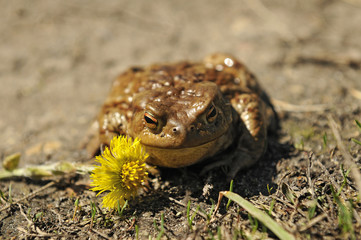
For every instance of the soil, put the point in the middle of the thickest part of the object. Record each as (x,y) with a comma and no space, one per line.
(57,62)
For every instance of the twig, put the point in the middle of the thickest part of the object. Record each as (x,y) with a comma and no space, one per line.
(46,235)
(33,227)
(288,107)
(220,196)
(330,60)
(309,164)
(313,222)
(132,224)
(184,205)
(100,234)
(29,195)
(347,157)
(24,215)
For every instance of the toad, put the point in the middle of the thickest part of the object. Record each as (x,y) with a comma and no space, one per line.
(188,112)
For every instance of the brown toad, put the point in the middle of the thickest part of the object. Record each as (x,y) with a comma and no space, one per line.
(186,112)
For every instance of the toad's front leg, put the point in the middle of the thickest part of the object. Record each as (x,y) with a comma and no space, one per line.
(252,131)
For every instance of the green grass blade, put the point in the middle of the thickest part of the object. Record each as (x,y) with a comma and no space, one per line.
(10,196)
(288,193)
(260,215)
(188,214)
(356,141)
(344,215)
(358,124)
(162,230)
(231,190)
(324,140)
(136,232)
(2,196)
(271,207)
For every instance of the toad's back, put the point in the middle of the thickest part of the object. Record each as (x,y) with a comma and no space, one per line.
(231,78)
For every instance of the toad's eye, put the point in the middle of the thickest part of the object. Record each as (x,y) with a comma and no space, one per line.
(212,114)
(150,121)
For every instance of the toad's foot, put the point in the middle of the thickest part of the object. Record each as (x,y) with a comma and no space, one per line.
(233,164)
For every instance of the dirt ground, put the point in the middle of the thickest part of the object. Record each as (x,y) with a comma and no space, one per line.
(58,59)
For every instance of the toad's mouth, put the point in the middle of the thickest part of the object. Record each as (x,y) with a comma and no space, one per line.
(181,157)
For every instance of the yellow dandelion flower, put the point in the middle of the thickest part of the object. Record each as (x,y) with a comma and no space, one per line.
(122,171)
